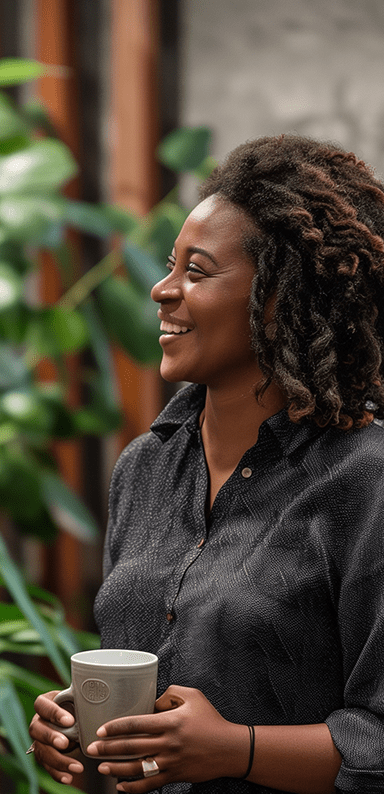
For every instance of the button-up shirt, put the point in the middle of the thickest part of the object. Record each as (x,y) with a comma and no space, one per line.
(273,606)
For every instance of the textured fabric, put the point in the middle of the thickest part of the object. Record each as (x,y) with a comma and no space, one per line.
(278,616)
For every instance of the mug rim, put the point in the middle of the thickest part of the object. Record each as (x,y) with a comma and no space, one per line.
(81,656)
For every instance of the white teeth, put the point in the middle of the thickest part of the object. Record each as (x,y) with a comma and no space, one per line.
(170,328)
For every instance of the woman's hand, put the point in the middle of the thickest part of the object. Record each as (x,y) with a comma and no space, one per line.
(189,740)
(48,742)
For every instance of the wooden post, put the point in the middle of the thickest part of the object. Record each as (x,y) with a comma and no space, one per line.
(54,30)
(134,172)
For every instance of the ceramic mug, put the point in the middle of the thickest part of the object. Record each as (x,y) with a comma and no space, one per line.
(107,684)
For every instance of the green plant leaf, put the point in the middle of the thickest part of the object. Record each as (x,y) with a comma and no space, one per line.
(161,229)
(98,220)
(51,396)
(17,589)
(11,286)
(46,165)
(14,144)
(93,422)
(14,321)
(121,220)
(54,330)
(26,408)
(67,328)
(205,168)
(185,149)
(11,626)
(32,649)
(104,384)
(67,509)
(143,268)
(25,680)
(35,114)
(130,318)
(11,122)
(20,70)
(31,219)
(20,487)
(8,432)
(13,253)
(48,602)
(12,716)
(13,369)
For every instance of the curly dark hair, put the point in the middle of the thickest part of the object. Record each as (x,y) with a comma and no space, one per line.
(318,215)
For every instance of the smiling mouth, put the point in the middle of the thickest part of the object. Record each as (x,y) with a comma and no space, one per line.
(171,329)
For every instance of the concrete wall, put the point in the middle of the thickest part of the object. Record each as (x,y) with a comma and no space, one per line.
(262,67)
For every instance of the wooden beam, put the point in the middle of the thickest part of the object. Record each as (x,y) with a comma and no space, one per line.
(134,172)
(54,45)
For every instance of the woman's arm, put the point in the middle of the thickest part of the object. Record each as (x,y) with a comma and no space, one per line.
(192,742)
(296,758)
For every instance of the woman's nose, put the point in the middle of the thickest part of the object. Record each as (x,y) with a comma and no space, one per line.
(168,289)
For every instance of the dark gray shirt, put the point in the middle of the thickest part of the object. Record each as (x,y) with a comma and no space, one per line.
(274,607)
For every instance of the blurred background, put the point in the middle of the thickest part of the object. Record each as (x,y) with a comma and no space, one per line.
(138,99)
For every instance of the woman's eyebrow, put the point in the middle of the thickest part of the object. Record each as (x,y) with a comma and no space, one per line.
(194,249)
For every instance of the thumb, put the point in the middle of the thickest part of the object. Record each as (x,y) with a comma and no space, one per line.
(170,699)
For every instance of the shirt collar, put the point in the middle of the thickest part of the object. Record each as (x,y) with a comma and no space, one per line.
(186,406)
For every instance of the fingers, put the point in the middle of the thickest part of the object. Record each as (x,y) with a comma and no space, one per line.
(145,723)
(143,785)
(50,711)
(41,732)
(60,767)
(131,778)
(125,746)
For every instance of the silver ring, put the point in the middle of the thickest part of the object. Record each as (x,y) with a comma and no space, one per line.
(150,767)
(31,749)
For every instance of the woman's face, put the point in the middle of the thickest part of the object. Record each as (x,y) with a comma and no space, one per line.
(204,299)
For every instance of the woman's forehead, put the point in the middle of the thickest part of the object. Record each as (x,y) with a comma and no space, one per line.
(216,211)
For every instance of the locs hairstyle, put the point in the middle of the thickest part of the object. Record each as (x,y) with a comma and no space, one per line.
(318,214)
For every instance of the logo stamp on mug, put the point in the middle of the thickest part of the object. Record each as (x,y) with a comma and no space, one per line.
(94,690)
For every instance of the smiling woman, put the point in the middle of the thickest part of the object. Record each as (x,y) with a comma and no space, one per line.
(244,545)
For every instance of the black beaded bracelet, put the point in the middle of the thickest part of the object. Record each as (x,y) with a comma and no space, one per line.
(251,750)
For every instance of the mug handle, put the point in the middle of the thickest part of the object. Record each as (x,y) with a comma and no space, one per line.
(66,696)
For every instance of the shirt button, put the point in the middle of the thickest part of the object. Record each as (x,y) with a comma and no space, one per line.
(246,472)
(169,616)
(200,543)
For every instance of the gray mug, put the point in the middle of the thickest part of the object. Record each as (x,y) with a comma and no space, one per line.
(107,684)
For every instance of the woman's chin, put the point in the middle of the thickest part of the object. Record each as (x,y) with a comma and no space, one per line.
(171,375)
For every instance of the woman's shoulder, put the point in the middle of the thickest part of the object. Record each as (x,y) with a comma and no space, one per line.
(136,455)
(360,449)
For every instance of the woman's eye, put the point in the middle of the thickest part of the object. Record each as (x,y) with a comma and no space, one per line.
(192,268)
(170,263)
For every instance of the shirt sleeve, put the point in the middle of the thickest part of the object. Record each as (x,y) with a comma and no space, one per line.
(358,728)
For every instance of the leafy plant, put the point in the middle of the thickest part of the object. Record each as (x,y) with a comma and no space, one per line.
(97,309)
(31,625)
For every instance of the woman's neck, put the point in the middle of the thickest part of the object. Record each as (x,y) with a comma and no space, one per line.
(231,422)
(232,418)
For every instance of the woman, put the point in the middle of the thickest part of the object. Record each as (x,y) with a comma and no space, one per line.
(245,542)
